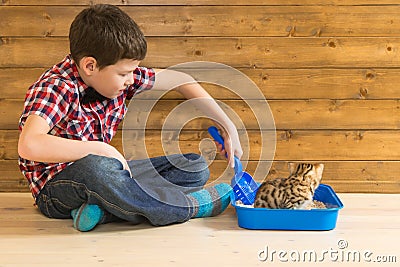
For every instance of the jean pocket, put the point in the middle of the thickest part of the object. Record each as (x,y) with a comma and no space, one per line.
(41,203)
(52,208)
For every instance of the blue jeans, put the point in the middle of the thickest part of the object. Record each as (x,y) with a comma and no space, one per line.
(156,191)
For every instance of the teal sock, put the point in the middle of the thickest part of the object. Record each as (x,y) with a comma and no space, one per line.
(210,201)
(86,217)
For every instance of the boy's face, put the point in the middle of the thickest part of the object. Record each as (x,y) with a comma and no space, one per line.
(112,80)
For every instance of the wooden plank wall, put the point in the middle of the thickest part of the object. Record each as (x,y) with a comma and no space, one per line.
(328,68)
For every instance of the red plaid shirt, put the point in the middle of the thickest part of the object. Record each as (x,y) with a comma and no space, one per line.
(57,97)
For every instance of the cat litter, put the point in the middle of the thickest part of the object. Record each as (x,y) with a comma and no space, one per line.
(314,205)
(316,218)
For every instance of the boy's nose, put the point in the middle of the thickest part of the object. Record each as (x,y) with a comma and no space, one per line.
(129,81)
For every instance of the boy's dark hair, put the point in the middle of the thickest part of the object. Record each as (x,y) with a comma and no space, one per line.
(106,33)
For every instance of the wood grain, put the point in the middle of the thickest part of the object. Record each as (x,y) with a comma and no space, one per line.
(201,2)
(253,114)
(328,69)
(290,145)
(272,21)
(272,83)
(288,114)
(246,52)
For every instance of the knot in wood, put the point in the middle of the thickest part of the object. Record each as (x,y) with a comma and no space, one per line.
(363,92)
(370,75)
(287,135)
(198,53)
(332,44)
(359,136)
(316,32)
(291,30)
(3,40)
(46,16)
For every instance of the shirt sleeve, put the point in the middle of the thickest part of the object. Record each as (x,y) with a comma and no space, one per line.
(143,80)
(49,99)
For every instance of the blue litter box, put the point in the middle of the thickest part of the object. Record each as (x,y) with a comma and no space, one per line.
(285,219)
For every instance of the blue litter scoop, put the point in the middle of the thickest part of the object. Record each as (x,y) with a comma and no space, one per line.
(244,186)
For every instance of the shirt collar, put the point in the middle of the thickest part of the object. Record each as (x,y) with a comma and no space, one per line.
(82,86)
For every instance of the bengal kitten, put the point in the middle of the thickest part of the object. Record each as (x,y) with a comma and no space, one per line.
(294,192)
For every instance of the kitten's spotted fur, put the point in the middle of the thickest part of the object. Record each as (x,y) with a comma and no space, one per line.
(294,192)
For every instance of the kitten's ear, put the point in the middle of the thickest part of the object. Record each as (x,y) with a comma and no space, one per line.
(292,167)
(319,168)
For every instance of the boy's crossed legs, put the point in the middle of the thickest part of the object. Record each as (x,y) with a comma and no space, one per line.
(165,190)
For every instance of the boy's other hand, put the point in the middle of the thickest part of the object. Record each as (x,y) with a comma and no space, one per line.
(112,152)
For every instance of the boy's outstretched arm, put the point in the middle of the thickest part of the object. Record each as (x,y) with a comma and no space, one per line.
(190,89)
(35,144)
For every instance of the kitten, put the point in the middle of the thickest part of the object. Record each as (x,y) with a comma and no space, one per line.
(294,192)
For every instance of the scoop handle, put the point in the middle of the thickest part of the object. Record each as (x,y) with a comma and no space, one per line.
(213,131)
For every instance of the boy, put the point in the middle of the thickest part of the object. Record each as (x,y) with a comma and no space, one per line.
(71,114)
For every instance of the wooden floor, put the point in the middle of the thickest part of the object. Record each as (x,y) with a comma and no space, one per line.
(369,225)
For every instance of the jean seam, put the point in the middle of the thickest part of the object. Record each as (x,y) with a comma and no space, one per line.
(46,205)
(61,203)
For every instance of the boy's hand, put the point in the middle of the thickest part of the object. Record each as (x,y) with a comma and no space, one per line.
(112,152)
(231,148)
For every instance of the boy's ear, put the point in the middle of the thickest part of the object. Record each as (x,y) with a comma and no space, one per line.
(88,65)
